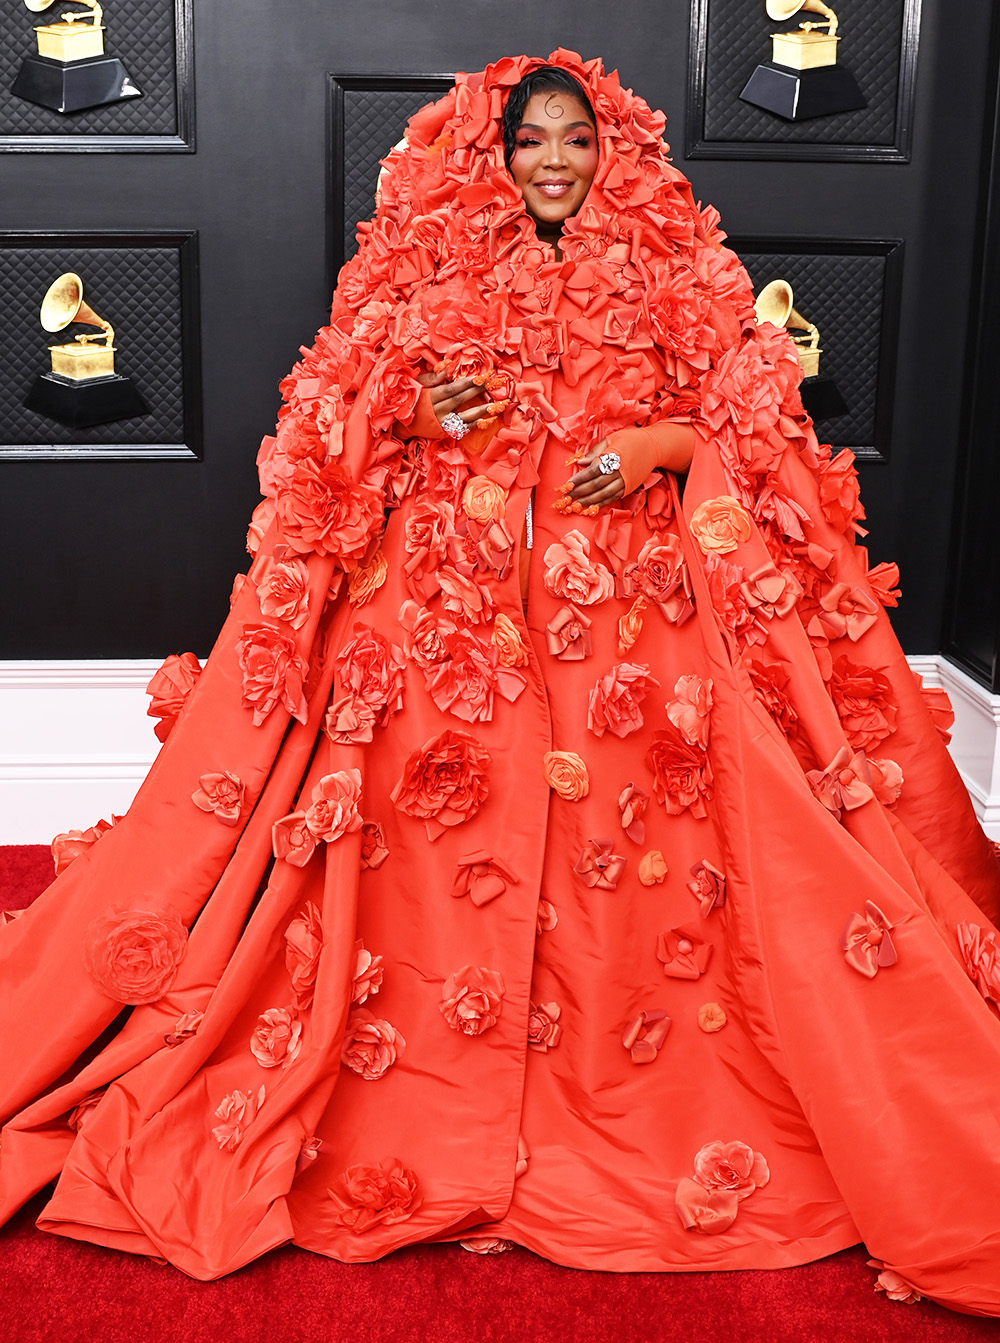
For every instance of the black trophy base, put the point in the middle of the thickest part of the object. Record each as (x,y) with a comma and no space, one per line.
(821,398)
(87,402)
(72,86)
(798,95)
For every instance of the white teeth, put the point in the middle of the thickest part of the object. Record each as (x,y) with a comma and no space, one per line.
(553,188)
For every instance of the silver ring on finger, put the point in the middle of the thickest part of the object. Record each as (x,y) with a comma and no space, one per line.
(454,426)
(608,463)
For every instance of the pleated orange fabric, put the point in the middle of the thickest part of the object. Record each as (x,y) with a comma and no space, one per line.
(644,921)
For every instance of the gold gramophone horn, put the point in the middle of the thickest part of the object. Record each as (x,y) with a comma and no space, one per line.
(36,6)
(785,9)
(63,303)
(774,304)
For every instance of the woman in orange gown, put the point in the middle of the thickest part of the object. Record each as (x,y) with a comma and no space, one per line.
(538,857)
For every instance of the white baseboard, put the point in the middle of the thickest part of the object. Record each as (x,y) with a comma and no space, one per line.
(75,742)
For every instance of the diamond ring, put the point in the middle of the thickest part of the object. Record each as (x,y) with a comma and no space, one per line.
(608,462)
(454,426)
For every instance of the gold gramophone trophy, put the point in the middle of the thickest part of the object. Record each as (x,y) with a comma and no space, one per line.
(802,79)
(82,388)
(820,396)
(71,71)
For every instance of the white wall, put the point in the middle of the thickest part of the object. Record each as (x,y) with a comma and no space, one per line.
(75,742)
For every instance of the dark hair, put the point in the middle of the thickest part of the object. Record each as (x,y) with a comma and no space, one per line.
(548,78)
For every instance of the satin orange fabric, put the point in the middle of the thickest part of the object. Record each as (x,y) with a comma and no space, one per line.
(614,1018)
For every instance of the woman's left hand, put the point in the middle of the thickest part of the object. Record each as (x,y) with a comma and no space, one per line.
(590,489)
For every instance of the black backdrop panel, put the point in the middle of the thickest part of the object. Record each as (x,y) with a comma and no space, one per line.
(144,291)
(368,115)
(850,291)
(731,37)
(150,37)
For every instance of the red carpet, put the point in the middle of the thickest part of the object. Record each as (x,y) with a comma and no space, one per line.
(60,1291)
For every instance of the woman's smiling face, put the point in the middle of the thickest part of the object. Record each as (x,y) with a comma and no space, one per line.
(554,159)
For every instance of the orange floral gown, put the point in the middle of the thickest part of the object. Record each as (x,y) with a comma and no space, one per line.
(639,918)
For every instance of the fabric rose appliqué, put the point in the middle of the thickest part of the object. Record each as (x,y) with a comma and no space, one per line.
(380,1195)
(472,999)
(682,776)
(981,957)
(237,1111)
(220,795)
(368,972)
(708,887)
(68,846)
(566,774)
(599,866)
(134,955)
(277,1037)
(720,525)
(303,943)
(614,702)
(689,711)
(543,1026)
(334,810)
(895,1286)
(866,942)
(645,1034)
(444,782)
(169,688)
(725,1173)
(371,1046)
(481,877)
(273,672)
(571,575)
(684,952)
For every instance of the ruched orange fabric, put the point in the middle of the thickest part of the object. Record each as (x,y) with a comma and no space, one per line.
(647,924)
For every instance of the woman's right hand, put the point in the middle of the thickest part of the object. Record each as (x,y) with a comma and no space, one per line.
(448,398)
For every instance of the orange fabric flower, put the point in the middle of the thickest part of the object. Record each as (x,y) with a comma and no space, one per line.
(708,887)
(614,702)
(886,781)
(896,1288)
(632,803)
(169,688)
(684,952)
(303,944)
(220,795)
(720,525)
(444,782)
(323,510)
(506,639)
(567,635)
(134,955)
(334,809)
(570,574)
(291,839)
(682,776)
(185,1027)
(865,702)
(371,1045)
(366,579)
(277,1037)
(367,977)
(711,1018)
(566,774)
(543,1026)
(370,676)
(981,955)
(867,942)
(273,672)
(547,917)
(645,1034)
(598,864)
(482,877)
(844,784)
(283,591)
(689,712)
(484,500)
(68,846)
(660,574)
(630,626)
(380,1195)
(374,850)
(472,999)
(237,1111)
(652,868)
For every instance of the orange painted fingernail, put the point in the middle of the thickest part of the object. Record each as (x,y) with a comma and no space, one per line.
(593,510)
(486,422)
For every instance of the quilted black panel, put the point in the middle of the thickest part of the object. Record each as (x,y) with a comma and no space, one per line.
(738,38)
(374,120)
(137,290)
(842,296)
(140,33)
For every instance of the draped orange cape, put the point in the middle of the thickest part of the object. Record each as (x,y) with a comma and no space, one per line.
(644,922)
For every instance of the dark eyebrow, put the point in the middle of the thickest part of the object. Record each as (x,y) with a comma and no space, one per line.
(530,126)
